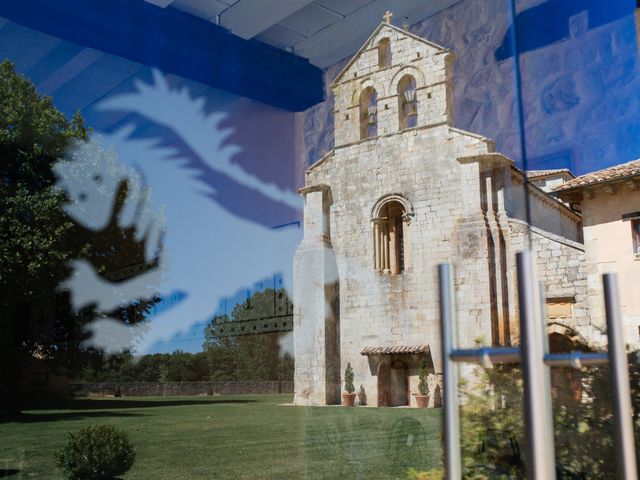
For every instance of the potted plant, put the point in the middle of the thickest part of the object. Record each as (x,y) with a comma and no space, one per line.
(349,395)
(422,397)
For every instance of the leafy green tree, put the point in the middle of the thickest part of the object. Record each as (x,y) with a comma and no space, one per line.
(178,366)
(35,234)
(250,357)
(163,373)
(493,426)
(37,239)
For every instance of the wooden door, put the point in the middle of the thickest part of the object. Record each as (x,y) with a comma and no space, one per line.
(384,385)
(399,384)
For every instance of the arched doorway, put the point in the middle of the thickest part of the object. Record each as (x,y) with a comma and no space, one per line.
(384,385)
(399,384)
(566,383)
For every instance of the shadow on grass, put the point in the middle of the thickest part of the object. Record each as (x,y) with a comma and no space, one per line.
(31,417)
(116,403)
(8,472)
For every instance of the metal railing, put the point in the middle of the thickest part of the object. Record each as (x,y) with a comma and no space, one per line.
(536,360)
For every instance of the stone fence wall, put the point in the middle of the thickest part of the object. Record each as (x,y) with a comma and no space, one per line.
(159,389)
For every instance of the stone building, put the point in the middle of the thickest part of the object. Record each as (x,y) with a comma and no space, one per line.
(547,180)
(402,191)
(609,201)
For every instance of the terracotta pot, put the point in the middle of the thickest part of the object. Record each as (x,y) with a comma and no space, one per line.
(348,399)
(422,400)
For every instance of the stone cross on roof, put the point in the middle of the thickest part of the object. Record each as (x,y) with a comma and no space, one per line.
(387,16)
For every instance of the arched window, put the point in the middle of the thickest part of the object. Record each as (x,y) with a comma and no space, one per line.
(384,53)
(389,237)
(368,113)
(407,102)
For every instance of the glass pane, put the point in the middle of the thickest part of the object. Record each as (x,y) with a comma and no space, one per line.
(220,222)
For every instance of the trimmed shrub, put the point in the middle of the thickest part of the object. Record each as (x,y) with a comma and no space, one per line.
(96,453)
(349,387)
(423,386)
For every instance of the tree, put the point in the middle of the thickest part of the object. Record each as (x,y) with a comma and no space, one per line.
(492,422)
(250,357)
(34,232)
(37,239)
(178,366)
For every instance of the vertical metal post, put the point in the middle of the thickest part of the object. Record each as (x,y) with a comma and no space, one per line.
(453,469)
(619,368)
(538,419)
(542,319)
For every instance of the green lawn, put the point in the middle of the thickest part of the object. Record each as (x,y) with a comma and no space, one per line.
(234,437)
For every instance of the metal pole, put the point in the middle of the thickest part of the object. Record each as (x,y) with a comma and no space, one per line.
(544,337)
(619,368)
(453,469)
(538,419)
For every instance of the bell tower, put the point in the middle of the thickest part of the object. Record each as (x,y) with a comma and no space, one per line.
(396,81)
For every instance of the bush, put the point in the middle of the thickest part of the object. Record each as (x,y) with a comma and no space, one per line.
(492,421)
(348,379)
(96,453)
(414,474)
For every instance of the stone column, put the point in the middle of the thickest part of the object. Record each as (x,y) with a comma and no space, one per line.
(393,249)
(481,263)
(385,247)
(406,236)
(315,306)
(376,244)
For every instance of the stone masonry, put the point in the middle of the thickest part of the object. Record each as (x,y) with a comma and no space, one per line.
(402,191)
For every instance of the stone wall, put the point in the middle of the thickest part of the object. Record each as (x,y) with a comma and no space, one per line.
(380,309)
(462,204)
(159,389)
(427,63)
(562,268)
(547,213)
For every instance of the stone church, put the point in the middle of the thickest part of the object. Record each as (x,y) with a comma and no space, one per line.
(402,191)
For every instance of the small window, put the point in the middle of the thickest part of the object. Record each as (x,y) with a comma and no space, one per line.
(635,227)
(368,113)
(384,53)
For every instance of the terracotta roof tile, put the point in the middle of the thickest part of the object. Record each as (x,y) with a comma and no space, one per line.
(394,350)
(545,173)
(629,169)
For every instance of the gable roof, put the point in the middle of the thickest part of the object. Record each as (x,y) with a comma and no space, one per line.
(617,172)
(365,45)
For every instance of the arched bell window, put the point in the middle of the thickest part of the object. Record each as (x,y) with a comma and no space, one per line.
(368,113)
(390,235)
(384,53)
(407,102)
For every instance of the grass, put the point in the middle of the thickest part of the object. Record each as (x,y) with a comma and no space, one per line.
(234,437)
